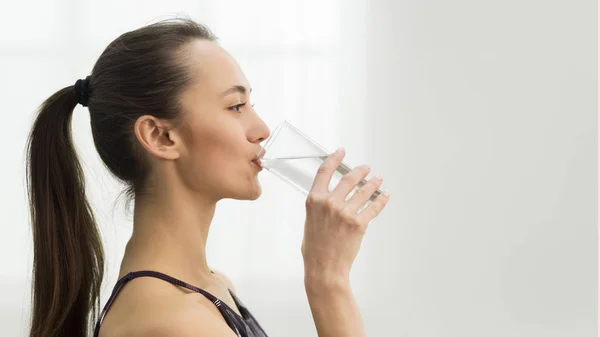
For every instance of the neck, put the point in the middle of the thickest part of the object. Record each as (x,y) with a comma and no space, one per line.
(169,235)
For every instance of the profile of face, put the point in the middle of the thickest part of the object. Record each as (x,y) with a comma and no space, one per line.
(213,148)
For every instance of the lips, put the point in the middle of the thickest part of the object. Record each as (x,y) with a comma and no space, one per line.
(258,163)
(258,158)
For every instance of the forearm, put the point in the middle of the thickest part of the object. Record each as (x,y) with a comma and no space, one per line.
(334,309)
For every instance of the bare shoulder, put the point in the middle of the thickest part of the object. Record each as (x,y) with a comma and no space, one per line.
(186,323)
(224,279)
(153,308)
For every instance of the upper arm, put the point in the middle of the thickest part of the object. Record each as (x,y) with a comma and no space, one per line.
(224,280)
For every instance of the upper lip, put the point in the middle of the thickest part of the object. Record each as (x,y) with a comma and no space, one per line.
(260,155)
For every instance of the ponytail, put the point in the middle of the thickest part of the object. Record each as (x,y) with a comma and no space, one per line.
(68,260)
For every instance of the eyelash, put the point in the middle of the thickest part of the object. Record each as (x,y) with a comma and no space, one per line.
(237,107)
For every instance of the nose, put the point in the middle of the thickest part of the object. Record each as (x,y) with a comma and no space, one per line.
(260,131)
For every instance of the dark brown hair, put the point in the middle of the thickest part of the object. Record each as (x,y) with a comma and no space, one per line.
(141,72)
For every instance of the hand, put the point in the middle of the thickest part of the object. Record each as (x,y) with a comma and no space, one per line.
(333,230)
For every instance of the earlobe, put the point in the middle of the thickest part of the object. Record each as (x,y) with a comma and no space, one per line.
(156,137)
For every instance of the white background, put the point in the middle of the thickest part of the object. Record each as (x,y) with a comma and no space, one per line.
(480,115)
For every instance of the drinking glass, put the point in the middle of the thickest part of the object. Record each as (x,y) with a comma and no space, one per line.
(295,158)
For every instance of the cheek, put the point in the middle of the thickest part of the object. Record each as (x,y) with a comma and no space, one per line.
(217,153)
(227,177)
(218,161)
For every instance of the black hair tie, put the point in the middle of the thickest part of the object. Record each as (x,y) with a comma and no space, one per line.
(81,91)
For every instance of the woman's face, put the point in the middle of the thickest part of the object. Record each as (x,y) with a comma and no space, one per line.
(223,129)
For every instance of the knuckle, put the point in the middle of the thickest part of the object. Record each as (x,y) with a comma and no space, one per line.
(312,199)
(348,177)
(323,168)
(377,207)
(347,216)
(357,226)
(321,201)
(329,203)
(360,192)
(356,173)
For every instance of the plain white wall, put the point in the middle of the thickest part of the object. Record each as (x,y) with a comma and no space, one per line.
(481,116)
(488,110)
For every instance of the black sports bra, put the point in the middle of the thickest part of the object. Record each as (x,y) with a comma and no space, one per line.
(243,326)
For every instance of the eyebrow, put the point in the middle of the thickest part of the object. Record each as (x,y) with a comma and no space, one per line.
(236,89)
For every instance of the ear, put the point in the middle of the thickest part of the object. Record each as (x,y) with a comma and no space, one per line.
(157,138)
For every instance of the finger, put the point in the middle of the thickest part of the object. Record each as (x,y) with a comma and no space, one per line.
(325,172)
(364,193)
(374,208)
(349,181)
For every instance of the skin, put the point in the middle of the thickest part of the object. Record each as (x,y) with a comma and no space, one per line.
(206,158)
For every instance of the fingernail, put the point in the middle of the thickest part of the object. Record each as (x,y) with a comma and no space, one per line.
(387,194)
(340,150)
(378,177)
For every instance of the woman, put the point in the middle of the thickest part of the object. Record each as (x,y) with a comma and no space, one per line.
(170,119)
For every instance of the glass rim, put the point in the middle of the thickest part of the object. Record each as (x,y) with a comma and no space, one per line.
(277,130)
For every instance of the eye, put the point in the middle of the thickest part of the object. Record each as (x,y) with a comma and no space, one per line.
(237,107)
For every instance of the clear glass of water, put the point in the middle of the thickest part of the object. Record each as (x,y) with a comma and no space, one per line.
(295,158)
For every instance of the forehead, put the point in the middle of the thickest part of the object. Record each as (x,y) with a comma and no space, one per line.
(215,69)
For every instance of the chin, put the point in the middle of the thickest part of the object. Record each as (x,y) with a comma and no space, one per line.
(256,193)
(254,197)
(247,196)
(252,193)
